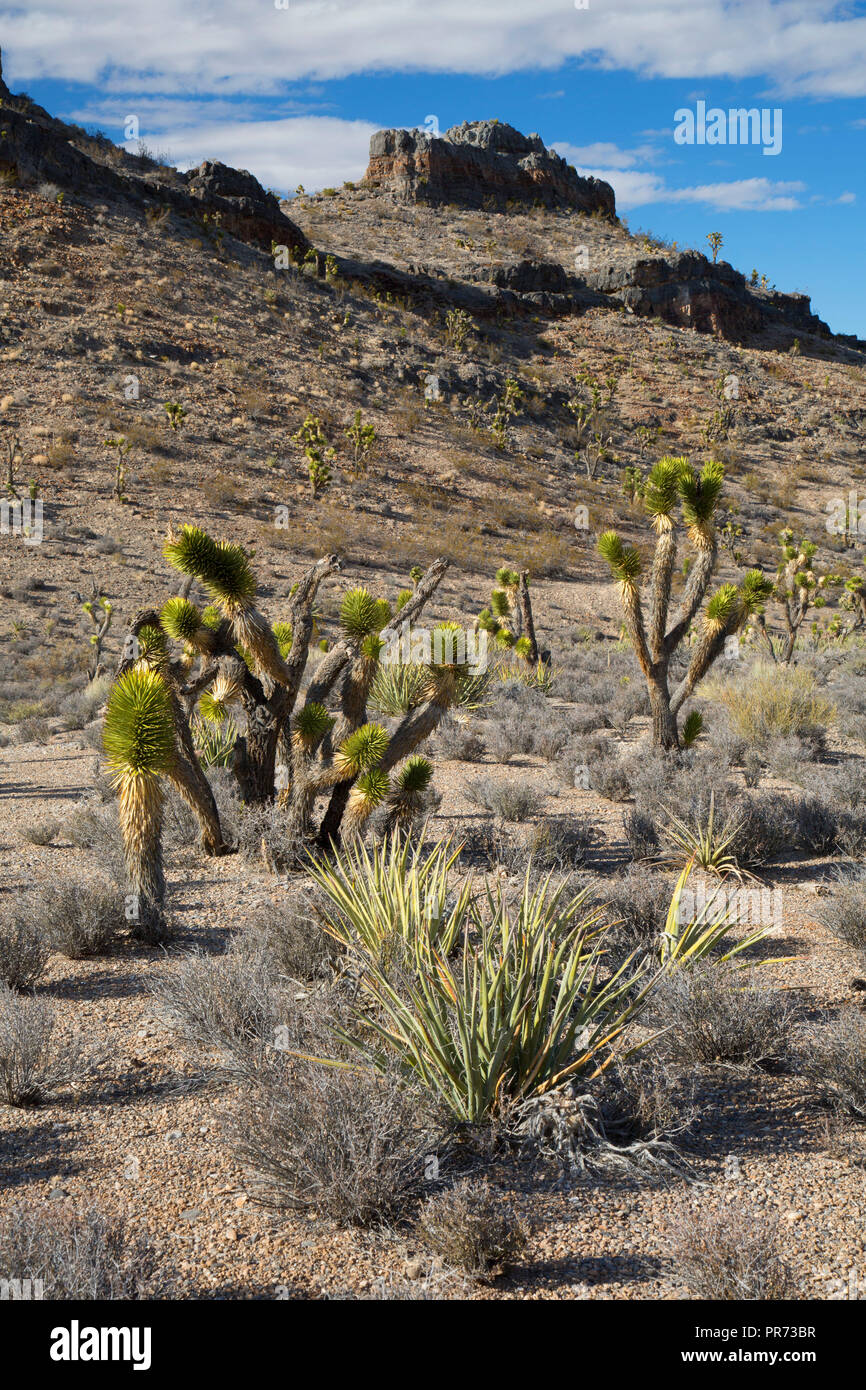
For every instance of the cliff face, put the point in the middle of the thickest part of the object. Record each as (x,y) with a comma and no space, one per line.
(38,149)
(477,163)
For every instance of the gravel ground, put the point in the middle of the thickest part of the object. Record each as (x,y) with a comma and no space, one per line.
(142,1137)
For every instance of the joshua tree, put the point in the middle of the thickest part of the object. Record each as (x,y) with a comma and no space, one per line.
(715,240)
(255,670)
(100,611)
(508,618)
(672,484)
(140,743)
(797,589)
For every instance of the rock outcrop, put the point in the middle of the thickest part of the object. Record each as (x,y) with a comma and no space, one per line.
(481,162)
(38,149)
(691,292)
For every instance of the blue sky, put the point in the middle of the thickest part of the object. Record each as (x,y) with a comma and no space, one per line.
(294,94)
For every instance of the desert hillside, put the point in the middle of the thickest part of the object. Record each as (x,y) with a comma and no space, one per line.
(241,436)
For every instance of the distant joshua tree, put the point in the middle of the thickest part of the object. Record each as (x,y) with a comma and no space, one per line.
(673,484)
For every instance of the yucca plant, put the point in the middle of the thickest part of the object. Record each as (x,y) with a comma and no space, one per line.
(139,742)
(688,937)
(706,843)
(518,1011)
(674,485)
(214,741)
(398,887)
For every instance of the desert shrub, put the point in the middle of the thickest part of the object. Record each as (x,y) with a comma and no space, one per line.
(777,701)
(851,835)
(33,729)
(473,1229)
(843,786)
(34,1062)
(766,828)
(637,903)
(734,1253)
(560,842)
(42,833)
(844,914)
(80,706)
(76,1254)
(510,800)
(301,949)
(509,736)
(835,1060)
(712,1014)
(753,767)
(82,919)
(641,835)
(640,1101)
(817,825)
(227,1006)
(23,948)
(352,1145)
(609,777)
(95,825)
(263,835)
(457,741)
(549,739)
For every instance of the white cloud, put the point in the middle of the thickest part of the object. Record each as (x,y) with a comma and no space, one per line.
(800,48)
(316,151)
(603,153)
(635,189)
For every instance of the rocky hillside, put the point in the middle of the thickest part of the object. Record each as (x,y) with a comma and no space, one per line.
(127,284)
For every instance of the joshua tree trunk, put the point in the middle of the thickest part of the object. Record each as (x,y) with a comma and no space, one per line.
(664,721)
(526,613)
(140,807)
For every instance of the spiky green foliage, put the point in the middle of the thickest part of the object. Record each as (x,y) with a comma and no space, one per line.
(700,495)
(362,750)
(705,843)
(723,607)
(403,598)
(284,638)
(138,735)
(624,560)
(312,723)
(519,1011)
(507,578)
(371,647)
(221,566)
(693,725)
(212,708)
(392,891)
(499,604)
(662,490)
(361,614)
(414,776)
(180,619)
(369,792)
(152,645)
(214,741)
(522,647)
(689,936)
